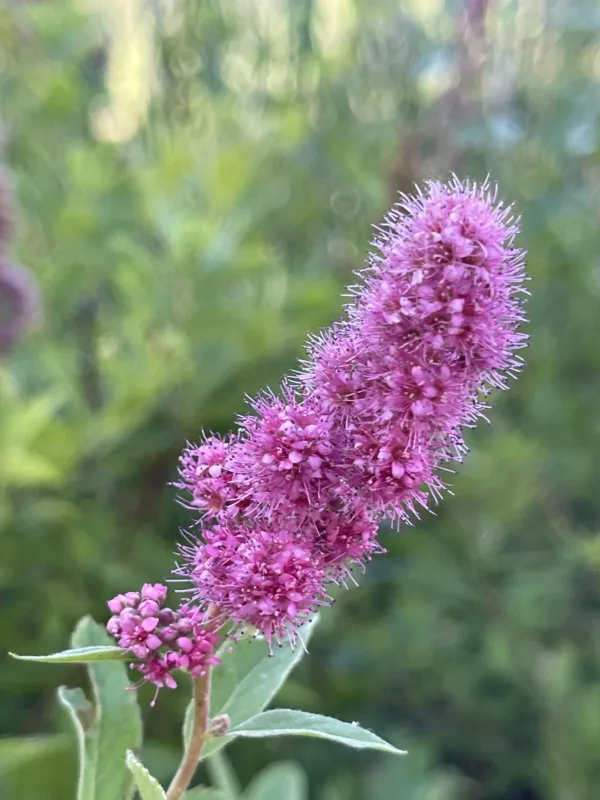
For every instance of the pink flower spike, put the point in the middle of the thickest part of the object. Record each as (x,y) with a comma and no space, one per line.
(364,432)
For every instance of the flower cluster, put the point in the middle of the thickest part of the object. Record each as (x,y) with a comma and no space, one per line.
(364,430)
(376,415)
(206,475)
(434,324)
(161,639)
(285,462)
(265,577)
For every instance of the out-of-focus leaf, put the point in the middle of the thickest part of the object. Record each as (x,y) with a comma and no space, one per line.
(28,765)
(413,778)
(281,780)
(204,793)
(223,776)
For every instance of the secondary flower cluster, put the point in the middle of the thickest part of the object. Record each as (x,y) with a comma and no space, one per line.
(367,426)
(18,295)
(162,639)
(288,505)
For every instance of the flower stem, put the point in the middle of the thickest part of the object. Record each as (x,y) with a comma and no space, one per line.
(193,750)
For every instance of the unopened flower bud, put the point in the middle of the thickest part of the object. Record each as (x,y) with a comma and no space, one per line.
(219,726)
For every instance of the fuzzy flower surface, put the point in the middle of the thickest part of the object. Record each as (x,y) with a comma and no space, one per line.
(206,475)
(285,463)
(433,327)
(368,427)
(269,578)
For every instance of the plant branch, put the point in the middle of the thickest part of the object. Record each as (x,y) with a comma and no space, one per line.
(193,750)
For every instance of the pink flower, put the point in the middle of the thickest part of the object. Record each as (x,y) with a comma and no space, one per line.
(446,286)
(269,579)
(345,535)
(284,461)
(206,474)
(335,366)
(433,324)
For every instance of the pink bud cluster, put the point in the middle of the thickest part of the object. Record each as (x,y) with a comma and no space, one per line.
(375,415)
(162,640)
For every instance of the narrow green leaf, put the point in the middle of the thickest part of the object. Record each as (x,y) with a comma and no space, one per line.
(148,787)
(247,679)
(224,778)
(79,655)
(282,780)
(107,728)
(287,722)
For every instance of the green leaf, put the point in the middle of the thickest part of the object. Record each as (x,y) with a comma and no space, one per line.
(257,678)
(287,722)
(282,780)
(203,793)
(224,778)
(37,767)
(79,707)
(247,679)
(80,655)
(107,728)
(148,787)
(82,715)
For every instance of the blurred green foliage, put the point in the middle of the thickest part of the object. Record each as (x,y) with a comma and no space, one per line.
(196,182)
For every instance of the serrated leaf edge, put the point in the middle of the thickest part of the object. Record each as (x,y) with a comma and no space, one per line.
(133,763)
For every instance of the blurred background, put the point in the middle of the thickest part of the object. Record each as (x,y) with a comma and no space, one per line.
(195,183)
